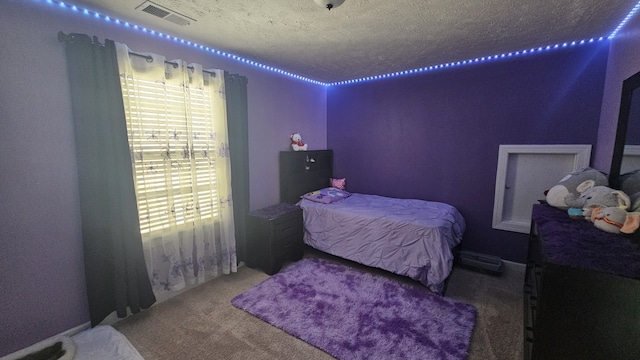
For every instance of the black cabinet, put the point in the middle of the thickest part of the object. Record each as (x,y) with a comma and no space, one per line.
(581,292)
(274,236)
(302,172)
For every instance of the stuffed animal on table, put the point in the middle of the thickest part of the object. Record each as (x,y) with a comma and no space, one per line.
(630,184)
(572,185)
(599,196)
(615,220)
(296,142)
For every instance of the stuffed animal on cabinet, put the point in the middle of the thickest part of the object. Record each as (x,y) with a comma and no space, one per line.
(572,185)
(296,142)
(599,196)
(630,184)
(615,220)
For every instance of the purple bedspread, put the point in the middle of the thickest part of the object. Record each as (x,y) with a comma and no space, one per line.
(409,237)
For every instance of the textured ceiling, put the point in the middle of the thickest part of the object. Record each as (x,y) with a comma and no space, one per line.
(371,37)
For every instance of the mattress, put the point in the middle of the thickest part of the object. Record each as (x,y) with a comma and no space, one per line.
(408,237)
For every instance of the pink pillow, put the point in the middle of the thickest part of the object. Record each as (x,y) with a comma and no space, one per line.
(338,183)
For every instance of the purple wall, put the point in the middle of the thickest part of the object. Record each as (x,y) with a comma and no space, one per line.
(624,61)
(41,262)
(436,136)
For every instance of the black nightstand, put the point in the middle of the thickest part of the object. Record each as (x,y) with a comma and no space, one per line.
(274,235)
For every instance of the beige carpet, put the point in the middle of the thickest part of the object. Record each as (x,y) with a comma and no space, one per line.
(498,333)
(202,324)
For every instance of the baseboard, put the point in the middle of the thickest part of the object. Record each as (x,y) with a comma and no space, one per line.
(46,342)
(514,263)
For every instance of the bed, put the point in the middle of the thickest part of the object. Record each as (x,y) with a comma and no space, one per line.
(409,237)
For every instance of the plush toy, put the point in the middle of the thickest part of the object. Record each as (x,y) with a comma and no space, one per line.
(597,196)
(296,142)
(630,184)
(572,185)
(615,220)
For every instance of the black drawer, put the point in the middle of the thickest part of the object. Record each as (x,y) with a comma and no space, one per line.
(528,348)
(275,236)
(534,282)
(287,229)
(573,307)
(287,244)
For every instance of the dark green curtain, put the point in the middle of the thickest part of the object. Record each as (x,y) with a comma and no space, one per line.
(115,269)
(237,125)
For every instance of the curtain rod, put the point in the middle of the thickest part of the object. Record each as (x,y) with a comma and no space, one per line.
(175,65)
(62,37)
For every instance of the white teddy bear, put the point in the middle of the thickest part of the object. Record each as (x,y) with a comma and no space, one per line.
(296,142)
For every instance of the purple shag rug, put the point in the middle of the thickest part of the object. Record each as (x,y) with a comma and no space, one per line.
(351,314)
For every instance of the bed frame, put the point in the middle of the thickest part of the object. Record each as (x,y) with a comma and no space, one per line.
(302,172)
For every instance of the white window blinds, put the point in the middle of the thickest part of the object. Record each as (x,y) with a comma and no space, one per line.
(173,139)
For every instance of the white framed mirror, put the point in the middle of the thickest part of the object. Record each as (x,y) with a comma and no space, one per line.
(524,173)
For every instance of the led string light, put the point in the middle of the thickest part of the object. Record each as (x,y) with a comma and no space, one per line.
(126,24)
(472,61)
(97,15)
(625,20)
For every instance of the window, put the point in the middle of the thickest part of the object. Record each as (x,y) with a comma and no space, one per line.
(173,138)
(176,119)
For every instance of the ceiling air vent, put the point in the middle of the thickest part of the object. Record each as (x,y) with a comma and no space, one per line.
(157,10)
